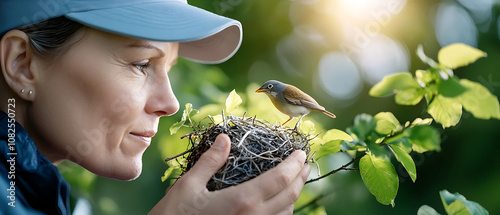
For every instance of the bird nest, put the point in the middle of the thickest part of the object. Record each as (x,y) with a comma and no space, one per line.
(256,147)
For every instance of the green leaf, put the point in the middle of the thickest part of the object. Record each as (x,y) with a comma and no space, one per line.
(307,127)
(176,163)
(446,111)
(336,134)
(410,96)
(332,141)
(315,144)
(364,126)
(393,83)
(233,101)
(424,77)
(378,150)
(380,178)
(386,123)
(424,138)
(450,88)
(478,100)
(318,211)
(430,92)
(405,159)
(384,127)
(186,114)
(455,203)
(458,55)
(327,148)
(427,210)
(167,173)
(176,126)
(216,119)
(403,143)
(420,121)
(457,208)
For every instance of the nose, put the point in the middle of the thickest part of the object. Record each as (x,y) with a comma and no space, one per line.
(162,100)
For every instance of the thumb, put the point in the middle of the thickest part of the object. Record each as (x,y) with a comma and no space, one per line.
(211,161)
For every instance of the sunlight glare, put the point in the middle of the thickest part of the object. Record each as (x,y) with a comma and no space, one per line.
(357,7)
(367,10)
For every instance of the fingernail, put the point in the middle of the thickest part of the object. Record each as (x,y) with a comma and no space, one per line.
(302,155)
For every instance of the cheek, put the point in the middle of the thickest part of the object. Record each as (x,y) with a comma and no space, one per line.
(86,113)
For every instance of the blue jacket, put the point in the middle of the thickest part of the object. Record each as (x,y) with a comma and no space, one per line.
(28,180)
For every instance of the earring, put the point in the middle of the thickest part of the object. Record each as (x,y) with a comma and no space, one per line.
(22,90)
(30,92)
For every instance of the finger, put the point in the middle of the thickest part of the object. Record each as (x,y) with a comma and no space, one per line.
(289,195)
(273,181)
(210,162)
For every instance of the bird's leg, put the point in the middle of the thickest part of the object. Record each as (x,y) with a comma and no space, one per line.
(298,122)
(291,117)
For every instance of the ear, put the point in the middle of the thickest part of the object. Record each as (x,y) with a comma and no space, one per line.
(16,62)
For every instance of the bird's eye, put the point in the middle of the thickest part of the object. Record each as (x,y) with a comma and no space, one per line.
(269,86)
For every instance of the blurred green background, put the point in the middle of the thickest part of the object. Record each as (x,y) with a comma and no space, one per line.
(334,50)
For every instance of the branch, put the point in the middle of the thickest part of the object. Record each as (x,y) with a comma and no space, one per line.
(176,156)
(344,167)
(312,202)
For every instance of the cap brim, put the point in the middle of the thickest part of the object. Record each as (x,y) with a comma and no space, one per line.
(204,37)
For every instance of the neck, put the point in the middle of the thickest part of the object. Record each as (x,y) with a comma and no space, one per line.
(11,103)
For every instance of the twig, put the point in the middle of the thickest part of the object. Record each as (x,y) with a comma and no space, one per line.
(344,167)
(181,154)
(244,137)
(312,202)
(256,147)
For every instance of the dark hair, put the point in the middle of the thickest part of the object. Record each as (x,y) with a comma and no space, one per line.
(51,38)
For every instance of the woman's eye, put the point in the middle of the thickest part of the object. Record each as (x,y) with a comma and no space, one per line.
(141,65)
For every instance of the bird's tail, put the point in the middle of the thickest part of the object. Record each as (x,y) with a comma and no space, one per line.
(329,114)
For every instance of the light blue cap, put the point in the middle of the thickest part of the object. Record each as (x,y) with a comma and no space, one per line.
(204,37)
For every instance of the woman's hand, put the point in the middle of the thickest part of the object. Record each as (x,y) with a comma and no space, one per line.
(273,192)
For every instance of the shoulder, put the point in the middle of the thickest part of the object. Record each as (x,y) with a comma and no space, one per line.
(30,184)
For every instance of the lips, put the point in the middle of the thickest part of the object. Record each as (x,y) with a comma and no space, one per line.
(144,136)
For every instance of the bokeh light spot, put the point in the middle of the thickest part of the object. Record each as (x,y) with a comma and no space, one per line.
(480,9)
(382,56)
(454,25)
(339,76)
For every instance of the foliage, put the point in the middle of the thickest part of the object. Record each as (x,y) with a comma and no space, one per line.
(382,137)
(233,101)
(186,116)
(454,204)
(444,92)
(378,141)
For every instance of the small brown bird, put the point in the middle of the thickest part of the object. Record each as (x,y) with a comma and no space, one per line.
(291,100)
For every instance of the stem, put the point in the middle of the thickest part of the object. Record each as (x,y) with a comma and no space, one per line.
(344,167)
(176,156)
(393,135)
(312,202)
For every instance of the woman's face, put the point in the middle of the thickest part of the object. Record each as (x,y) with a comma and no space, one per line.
(99,104)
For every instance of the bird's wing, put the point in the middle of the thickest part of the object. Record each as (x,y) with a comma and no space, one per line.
(294,95)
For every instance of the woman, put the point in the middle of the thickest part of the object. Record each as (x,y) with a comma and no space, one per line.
(88,83)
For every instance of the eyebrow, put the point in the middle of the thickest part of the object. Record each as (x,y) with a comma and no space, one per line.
(147,46)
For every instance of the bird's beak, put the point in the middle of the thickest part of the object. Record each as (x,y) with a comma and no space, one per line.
(260,90)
